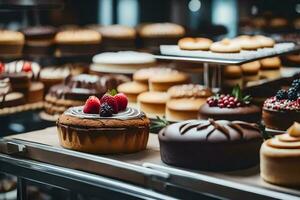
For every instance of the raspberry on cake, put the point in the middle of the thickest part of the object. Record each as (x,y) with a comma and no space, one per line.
(101,130)
(230,107)
(281,110)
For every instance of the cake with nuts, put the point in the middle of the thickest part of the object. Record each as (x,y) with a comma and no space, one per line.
(104,126)
(281,110)
(234,106)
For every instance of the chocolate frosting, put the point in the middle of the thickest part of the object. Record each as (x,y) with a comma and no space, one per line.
(210,131)
(129,113)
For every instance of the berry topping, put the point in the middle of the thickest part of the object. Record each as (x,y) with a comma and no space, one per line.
(106,110)
(281,94)
(111,101)
(292,94)
(92,105)
(2,68)
(296,84)
(236,99)
(122,101)
(26,67)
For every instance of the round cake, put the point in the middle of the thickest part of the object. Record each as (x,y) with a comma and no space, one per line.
(211,145)
(230,107)
(124,132)
(280,158)
(281,110)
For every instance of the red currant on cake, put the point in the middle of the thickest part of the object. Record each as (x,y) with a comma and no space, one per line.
(92,105)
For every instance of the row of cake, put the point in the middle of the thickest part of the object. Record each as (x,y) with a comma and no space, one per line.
(87,40)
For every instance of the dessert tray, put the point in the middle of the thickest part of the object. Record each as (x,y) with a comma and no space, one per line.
(173,52)
(145,169)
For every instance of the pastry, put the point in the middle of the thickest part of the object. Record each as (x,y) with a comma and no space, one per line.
(153,35)
(280,158)
(7,97)
(270,68)
(230,107)
(166,78)
(195,43)
(132,90)
(39,40)
(77,42)
(11,43)
(122,62)
(153,103)
(232,76)
(281,110)
(35,92)
(225,46)
(247,42)
(278,23)
(82,128)
(76,90)
(51,76)
(116,37)
(143,75)
(250,71)
(211,145)
(184,101)
(265,42)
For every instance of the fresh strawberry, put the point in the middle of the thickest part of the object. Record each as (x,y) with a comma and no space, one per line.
(122,101)
(111,101)
(26,67)
(2,68)
(92,105)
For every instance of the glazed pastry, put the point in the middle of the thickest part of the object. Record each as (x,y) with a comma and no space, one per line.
(211,145)
(265,42)
(270,67)
(76,90)
(77,42)
(280,111)
(184,101)
(143,75)
(116,37)
(39,40)
(122,62)
(230,107)
(225,46)
(232,76)
(250,71)
(84,129)
(11,43)
(132,90)
(280,158)
(247,42)
(153,35)
(195,44)
(153,103)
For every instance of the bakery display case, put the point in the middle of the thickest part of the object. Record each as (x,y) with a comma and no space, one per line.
(131,99)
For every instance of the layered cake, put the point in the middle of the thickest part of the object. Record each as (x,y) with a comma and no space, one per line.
(153,103)
(39,40)
(270,67)
(211,145)
(105,126)
(116,37)
(76,90)
(132,90)
(77,42)
(280,158)
(281,110)
(7,97)
(185,100)
(153,35)
(11,43)
(230,107)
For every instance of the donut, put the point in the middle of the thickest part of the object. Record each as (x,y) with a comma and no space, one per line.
(198,43)
(225,46)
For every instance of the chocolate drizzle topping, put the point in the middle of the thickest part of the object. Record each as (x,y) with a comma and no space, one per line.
(211,125)
(129,113)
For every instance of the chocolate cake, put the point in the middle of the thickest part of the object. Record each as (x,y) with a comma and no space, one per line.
(76,90)
(211,145)
(124,132)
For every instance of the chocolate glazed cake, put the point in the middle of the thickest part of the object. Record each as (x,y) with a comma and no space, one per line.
(124,132)
(211,145)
